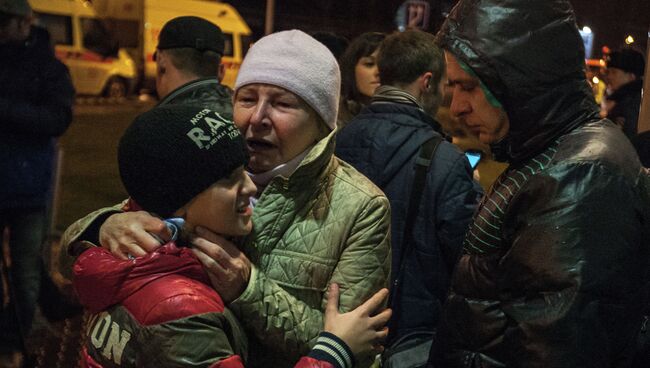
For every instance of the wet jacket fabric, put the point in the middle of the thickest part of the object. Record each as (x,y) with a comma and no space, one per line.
(383,142)
(155,311)
(160,311)
(627,103)
(35,108)
(555,259)
(325,223)
(207,92)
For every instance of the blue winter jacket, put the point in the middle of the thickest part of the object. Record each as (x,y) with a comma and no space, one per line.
(382,142)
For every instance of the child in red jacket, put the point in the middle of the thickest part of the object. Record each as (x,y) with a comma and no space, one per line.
(159,310)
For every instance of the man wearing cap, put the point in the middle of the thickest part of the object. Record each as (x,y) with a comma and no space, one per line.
(188,65)
(625,80)
(555,261)
(35,107)
(188,72)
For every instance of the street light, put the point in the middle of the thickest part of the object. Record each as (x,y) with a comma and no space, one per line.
(588,40)
(629,40)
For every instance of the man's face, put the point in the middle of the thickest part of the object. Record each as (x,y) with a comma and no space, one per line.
(469,104)
(616,78)
(14,29)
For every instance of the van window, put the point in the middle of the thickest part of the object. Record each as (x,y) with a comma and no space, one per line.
(246,43)
(59,26)
(126,32)
(227,49)
(97,38)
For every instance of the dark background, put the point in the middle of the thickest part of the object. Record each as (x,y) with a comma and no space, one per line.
(611,21)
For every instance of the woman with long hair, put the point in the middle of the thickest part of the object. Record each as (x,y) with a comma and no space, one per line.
(359,75)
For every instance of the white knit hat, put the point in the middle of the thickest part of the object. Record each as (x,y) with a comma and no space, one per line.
(298,63)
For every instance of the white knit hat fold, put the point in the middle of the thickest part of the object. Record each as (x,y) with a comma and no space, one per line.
(298,63)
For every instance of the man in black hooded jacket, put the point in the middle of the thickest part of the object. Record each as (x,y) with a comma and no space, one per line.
(555,260)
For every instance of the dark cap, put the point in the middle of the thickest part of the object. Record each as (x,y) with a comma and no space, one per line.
(15,7)
(192,32)
(170,154)
(628,60)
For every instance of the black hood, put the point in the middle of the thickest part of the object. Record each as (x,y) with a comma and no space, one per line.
(530,55)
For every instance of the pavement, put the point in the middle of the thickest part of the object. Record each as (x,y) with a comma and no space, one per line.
(56,336)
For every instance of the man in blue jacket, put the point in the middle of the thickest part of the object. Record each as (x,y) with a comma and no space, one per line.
(35,107)
(383,143)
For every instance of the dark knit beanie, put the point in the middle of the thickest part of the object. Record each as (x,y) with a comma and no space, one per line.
(171,154)
(192,32)
(628,60)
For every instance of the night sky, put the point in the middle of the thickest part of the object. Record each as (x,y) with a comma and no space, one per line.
(610,20)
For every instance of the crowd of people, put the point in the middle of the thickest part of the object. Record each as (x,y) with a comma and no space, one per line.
(318,215)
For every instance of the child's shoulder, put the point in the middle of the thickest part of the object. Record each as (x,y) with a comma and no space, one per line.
(172,297)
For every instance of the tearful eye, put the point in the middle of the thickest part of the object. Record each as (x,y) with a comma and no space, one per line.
(286,104)
(245,99)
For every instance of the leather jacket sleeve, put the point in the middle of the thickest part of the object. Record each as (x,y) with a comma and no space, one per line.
(566,283)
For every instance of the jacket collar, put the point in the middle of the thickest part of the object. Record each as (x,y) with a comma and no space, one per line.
(189,86)
(388,93)
(315,166)
(419,116)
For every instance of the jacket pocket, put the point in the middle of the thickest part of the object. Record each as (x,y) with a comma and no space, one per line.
(299,271)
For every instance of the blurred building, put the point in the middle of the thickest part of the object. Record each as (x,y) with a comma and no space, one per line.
(347,18)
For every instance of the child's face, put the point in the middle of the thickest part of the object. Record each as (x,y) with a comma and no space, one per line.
(224,208)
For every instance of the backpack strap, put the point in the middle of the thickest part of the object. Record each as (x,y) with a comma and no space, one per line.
(421,167)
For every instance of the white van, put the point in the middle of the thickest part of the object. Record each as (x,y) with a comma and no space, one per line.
(97,66)
(87,38)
